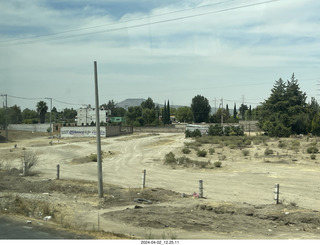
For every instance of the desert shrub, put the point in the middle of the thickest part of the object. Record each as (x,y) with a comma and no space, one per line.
(183,161)
(268,152)
(282,144)
(313,156)
(170,158)
(201,153)
(186,150)
(295,143)
(29,160)
(93,157)
(215,130)
(312,149)
(222,157)
(217,164)
(201,164)
(211,151)
(245,152)
(193,134)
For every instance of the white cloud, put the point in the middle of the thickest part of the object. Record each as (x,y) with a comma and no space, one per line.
(173,59)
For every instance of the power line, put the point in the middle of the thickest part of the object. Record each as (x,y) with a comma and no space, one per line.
(139,25)
(111,24)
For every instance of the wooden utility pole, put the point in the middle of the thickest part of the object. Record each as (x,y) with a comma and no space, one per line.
(222,112)
(99,162)
(6,115)
(50,114)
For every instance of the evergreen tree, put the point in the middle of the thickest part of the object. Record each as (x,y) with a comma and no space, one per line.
(235,111)
(168,113)
(200,108)
(285,111)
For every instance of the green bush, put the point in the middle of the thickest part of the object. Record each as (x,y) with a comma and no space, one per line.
(211,151)
(313,157)
(245,152)
(222,157)
(268,152)
(186,150)
(193,134)
(170,158)
(201,153)
(217,164)
(183,161)
(282,144)
(312,150)
(201,164)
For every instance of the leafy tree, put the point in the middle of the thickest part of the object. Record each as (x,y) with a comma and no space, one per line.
(42,109)
(69,115)
(184,114)
(148,104)
(148,115)
(118,112)
(200,108)
(29,116)
(133,113)
(14,115)
(243,108)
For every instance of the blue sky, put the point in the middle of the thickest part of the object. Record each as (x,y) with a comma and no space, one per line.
(167,50)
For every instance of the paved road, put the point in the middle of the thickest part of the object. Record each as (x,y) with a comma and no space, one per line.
(13,229)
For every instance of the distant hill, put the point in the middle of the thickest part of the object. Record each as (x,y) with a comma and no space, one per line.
(137,102)
(130,102)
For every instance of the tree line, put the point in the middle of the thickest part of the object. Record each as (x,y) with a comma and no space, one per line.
(283,113)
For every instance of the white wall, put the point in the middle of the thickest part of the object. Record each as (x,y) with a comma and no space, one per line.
(30,127)
(66,132)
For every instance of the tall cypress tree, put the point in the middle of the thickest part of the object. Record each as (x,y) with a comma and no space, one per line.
(164,113)
(168,113)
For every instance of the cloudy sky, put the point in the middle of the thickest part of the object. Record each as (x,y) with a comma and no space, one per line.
(167,50)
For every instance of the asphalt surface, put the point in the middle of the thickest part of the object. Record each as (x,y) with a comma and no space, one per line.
(15,229)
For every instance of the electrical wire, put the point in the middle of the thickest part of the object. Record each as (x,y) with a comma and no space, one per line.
(111,24)
(138,25)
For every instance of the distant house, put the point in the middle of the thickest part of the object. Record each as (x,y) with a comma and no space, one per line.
(87,116)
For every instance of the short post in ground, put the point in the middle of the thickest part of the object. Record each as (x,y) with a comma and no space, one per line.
(276,193)
(144,173)
(24,169)
(201,188)
(58,171)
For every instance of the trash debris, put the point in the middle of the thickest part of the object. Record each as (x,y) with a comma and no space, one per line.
(195,195)
(142,200)
(29,222)
(47,218)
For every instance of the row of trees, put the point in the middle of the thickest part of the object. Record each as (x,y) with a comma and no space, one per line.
(40,115)
(145,114)
(283,113)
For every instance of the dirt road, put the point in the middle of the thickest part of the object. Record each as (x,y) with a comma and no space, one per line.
(241,179)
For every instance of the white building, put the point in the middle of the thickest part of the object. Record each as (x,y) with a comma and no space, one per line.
(85,116)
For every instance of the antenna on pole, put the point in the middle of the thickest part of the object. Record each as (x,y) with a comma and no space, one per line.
(100,182)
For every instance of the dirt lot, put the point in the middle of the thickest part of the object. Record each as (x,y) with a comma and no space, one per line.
(238,201)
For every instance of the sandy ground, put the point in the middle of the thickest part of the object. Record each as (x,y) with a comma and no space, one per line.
(241,188)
